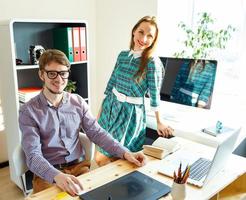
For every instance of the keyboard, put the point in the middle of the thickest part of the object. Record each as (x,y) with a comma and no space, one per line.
(199,169)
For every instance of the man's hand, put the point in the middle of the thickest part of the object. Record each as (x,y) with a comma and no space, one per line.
(138,158)
(68,183)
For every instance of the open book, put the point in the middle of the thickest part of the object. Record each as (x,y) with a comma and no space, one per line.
(161,147)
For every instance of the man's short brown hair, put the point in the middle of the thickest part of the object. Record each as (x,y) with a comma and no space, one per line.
(53,55)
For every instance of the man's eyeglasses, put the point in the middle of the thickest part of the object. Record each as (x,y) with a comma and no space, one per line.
(54,74)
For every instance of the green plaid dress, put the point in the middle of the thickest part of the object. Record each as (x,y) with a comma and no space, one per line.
(124,121)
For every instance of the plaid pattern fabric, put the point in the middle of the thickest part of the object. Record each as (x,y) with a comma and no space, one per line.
(124,121)
(200,83)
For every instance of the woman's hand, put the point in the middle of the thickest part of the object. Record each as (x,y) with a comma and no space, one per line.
(164,130)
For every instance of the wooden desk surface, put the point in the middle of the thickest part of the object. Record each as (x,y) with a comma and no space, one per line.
(234,169)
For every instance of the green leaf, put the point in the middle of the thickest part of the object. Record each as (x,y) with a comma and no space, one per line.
(203,40)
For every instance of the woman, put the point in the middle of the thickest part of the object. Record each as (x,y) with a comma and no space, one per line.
(136,72)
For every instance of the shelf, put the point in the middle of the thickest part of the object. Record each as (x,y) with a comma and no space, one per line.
(21,67)
(80,62)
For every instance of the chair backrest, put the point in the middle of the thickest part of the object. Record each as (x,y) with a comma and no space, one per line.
(19,161)
(20,167)
(88,146)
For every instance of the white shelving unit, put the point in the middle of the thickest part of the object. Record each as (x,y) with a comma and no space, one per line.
(16,37)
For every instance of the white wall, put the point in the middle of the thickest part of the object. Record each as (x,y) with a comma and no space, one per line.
(110,23)
(114,22)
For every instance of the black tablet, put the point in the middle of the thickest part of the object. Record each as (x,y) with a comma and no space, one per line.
(133,186)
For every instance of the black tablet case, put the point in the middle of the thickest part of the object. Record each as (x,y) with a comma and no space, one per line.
(133,186)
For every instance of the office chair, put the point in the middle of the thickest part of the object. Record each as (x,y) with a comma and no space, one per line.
(19,160)
(20,166)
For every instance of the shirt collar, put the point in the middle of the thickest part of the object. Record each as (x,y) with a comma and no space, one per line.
(46,102)
(136,54)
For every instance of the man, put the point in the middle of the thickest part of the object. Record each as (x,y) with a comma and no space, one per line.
(50,125)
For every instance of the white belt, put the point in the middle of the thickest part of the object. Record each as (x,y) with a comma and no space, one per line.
(123,98)
(193,95)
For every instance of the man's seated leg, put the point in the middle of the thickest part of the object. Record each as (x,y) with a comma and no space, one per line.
(102,160)
(39,184)
(78,169)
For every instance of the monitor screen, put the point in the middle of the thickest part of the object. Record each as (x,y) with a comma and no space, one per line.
(188,81)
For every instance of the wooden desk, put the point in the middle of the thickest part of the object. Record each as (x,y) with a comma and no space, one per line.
(234,169)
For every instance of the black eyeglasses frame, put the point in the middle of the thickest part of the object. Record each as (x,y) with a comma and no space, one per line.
(57,72)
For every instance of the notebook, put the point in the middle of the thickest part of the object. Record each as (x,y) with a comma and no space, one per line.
(202,170)
(133,186)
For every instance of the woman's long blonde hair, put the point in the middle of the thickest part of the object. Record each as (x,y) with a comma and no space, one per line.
(147,53)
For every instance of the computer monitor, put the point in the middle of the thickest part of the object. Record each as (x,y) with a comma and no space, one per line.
(188,82)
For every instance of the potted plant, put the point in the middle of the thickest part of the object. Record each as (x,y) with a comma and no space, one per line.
(71,86)
(203,40)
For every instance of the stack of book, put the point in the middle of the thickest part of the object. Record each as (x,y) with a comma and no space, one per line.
(25,94)
(161,148)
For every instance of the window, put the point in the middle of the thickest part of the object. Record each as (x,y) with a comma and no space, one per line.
(229,86)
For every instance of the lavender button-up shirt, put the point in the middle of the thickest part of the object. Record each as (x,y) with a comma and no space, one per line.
(50,135)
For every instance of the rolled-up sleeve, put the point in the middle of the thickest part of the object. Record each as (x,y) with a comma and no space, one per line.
(155,73)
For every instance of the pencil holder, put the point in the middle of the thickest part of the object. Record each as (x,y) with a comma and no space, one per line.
(178,191)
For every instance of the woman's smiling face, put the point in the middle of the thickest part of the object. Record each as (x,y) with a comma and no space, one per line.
(144,36)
